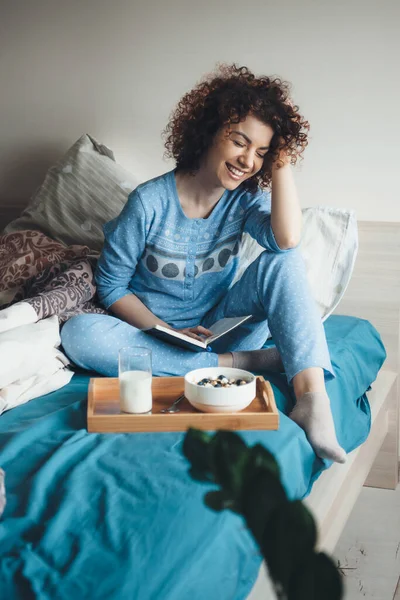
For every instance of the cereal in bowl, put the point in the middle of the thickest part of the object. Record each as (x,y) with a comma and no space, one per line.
(221,381)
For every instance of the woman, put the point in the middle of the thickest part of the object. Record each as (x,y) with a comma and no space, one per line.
(170,257)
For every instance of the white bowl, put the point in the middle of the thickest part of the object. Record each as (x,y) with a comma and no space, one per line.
(210,399)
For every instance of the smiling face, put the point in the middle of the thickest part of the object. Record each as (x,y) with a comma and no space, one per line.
(238,152)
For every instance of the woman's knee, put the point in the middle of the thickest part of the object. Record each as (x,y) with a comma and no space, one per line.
(291,260)
(76,326)
(81,332)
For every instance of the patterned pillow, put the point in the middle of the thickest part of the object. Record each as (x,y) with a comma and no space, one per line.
(84,190)
(329,246)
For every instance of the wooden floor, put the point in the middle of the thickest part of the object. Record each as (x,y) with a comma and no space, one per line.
(368,551)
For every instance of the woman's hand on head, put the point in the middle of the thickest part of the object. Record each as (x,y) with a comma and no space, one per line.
(283,158)
(198,333)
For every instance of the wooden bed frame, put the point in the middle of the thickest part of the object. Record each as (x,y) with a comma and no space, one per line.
(373,294)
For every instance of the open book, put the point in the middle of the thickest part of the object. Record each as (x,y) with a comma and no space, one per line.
(219,329)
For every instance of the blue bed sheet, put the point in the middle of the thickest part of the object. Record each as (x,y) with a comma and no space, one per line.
(116,516)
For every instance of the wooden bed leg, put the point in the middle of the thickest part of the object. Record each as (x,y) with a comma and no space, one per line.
(384,472)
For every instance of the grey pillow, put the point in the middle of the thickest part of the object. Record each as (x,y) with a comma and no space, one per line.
(82,191)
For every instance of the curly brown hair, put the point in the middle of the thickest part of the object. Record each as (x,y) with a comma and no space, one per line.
(228,95)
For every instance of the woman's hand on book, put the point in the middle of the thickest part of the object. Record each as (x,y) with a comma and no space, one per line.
(198,333)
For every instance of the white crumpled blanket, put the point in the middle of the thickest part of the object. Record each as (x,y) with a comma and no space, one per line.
(31,363)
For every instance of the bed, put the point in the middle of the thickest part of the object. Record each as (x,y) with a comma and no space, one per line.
(58,514)
(373,294)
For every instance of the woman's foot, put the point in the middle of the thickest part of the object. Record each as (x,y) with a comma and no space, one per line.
(312,413)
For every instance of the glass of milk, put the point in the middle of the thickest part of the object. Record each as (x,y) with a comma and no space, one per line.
(135,377)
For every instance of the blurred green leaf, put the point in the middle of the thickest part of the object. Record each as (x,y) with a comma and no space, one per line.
(289,539)
(250,484)
(196,449)
(261,496)
(328,579)
(202,476)
(228,457)
(218,500)
(317,578)
(261,457)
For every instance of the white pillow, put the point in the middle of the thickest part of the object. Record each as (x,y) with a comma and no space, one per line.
(329,246)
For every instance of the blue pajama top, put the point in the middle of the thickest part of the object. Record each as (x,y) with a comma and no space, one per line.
(177,266)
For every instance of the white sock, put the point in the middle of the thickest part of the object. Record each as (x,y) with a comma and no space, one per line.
(312,413)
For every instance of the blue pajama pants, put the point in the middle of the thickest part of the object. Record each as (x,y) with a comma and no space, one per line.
(274,289)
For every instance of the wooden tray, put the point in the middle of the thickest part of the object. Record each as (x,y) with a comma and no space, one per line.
(104,414)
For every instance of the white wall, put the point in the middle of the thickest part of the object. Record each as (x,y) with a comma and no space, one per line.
(116,69)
